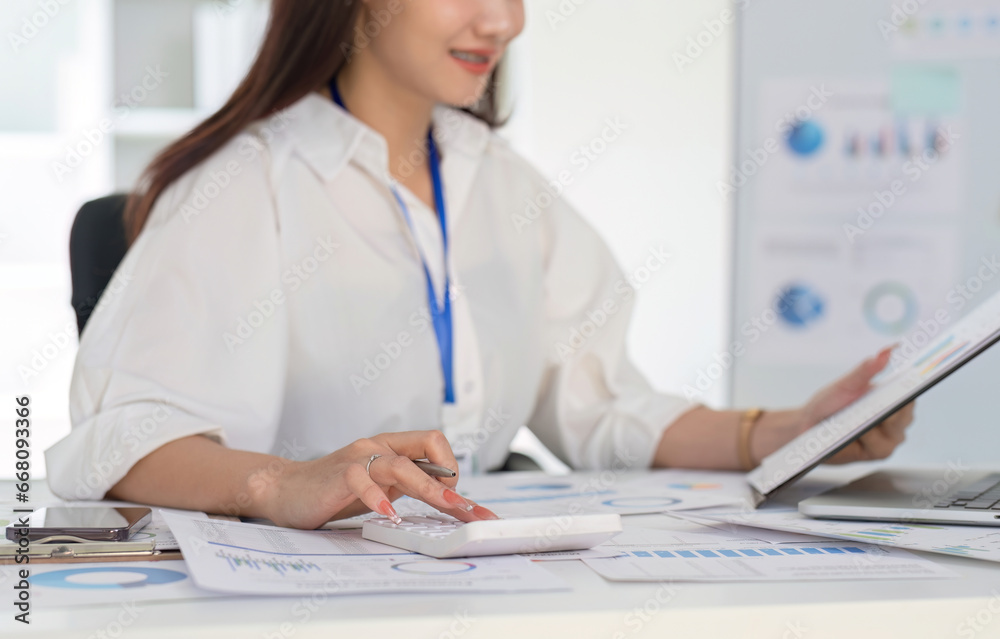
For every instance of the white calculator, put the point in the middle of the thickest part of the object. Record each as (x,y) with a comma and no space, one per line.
(443,536)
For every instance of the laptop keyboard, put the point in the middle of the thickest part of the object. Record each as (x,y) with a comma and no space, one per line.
(981,495)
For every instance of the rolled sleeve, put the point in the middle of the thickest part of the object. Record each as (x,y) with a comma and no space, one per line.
(189,338)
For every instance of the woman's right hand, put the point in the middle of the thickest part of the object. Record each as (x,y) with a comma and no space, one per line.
(308,494)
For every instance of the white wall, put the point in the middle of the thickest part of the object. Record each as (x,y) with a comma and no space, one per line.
(581,62)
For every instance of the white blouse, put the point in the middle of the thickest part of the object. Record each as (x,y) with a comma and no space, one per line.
(276,301)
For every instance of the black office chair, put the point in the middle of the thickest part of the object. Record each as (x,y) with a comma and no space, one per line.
(96,246)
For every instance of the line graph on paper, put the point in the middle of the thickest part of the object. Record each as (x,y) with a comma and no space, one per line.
(243,562)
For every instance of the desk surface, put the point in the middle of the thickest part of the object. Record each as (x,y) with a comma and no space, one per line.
(966,607)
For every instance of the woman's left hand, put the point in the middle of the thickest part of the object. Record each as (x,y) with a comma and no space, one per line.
(879,442)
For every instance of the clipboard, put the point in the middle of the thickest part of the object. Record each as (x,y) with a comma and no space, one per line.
(63,549)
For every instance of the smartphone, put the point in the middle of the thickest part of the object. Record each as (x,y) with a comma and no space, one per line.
(86,523)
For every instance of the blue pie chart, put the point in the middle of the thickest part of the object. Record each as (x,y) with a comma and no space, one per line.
(805,138)
(799,306)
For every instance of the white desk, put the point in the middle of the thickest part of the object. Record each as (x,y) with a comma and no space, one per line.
(595,608)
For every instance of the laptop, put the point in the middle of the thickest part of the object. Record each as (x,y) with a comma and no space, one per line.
(949,495)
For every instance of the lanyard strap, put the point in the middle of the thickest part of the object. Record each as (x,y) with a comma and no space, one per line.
(440,314)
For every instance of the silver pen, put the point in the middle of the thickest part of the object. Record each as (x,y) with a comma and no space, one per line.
(433,469)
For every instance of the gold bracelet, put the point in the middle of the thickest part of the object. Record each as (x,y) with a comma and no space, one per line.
(748,420)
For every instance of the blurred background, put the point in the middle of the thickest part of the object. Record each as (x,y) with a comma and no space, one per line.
(758,140)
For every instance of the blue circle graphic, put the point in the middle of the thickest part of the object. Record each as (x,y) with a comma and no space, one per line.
(805,138)
(799,306)
(60,578)
(641,502)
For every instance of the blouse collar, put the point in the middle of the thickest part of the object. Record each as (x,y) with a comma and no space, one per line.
(327,138)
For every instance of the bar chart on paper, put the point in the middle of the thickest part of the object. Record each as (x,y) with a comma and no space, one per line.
(784,562)
(979,542)
(888,532)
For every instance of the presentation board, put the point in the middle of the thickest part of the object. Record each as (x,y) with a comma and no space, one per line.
(866,195)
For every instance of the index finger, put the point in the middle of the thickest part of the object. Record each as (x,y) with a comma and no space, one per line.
(431,445)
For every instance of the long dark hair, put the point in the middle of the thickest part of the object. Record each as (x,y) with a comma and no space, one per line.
(307,42)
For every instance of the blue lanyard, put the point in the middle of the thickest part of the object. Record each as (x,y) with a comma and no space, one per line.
(440,316)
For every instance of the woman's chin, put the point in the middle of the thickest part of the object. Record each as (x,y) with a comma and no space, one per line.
(466,94)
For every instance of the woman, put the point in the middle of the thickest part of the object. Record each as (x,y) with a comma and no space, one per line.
(311,268)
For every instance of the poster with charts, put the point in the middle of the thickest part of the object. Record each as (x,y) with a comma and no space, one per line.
(818,299)
(845,147)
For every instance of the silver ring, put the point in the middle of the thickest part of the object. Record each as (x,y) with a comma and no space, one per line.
(368,467)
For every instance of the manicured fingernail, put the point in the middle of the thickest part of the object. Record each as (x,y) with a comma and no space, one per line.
(386,509)
(484,513)
(456,500)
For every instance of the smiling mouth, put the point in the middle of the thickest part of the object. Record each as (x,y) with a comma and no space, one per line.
(467,56)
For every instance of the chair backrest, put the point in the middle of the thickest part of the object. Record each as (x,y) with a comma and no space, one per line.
(96,247)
